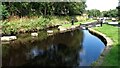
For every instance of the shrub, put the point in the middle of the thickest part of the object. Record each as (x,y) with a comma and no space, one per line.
(5,13)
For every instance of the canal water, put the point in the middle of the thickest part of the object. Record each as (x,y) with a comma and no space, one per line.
(72,48)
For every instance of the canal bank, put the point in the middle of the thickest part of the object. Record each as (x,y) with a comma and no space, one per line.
(109,39)
(110,55)
(110,59)
(108,42)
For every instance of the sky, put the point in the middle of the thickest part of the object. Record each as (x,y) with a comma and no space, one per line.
(102,5)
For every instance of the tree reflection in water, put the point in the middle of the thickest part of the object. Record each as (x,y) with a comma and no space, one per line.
(60,49)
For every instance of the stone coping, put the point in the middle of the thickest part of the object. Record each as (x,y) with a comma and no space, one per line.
(106,50)
(109,41)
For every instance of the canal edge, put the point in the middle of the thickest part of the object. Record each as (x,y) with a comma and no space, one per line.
(107,47)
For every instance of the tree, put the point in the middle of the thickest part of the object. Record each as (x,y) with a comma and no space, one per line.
(110,13)
(44,8)
(94,12)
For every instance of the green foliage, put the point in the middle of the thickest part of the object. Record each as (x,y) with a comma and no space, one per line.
(5,13)
(27,24)
(110,13)
(45,12)
(14,26)
(8,27)
(44,8)
(94,12)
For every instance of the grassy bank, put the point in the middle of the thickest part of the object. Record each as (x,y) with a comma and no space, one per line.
(16,25)
(77,23)
(111,59)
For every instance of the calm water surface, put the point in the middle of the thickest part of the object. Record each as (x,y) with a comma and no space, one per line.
(75,48)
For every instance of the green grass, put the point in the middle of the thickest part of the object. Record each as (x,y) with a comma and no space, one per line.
(69,24)
(110,31)
(111,59)
(77,23)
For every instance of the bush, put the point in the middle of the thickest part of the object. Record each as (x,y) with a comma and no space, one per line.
(9,28)
(5,13)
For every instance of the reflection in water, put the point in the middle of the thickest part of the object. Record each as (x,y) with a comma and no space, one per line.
(92,48)
(63,49)
(35,52)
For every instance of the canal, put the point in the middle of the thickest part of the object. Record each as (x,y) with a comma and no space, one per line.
(72,48)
